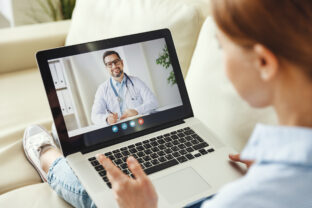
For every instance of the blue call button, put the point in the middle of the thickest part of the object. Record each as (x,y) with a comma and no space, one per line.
(124,126)
(132,123)
(115,129)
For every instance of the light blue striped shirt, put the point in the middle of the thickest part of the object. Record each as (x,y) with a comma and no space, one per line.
(281,177)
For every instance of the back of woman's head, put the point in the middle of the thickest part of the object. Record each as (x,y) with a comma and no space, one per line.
(283,26)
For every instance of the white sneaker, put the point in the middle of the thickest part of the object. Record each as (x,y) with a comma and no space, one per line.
(35,138)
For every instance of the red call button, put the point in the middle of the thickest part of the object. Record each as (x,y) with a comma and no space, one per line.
(141,121)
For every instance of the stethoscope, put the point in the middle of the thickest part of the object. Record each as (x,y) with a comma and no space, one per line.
(115,91)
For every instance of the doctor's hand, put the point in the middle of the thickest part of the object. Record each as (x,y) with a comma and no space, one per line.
(129,113)
(112,118)
(137,192)
(236,158)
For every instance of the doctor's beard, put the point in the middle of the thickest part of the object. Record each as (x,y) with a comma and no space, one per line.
(119,74)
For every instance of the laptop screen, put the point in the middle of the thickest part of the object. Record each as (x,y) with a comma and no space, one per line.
(106,93)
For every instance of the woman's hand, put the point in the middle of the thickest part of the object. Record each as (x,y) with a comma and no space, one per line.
(236,158)
(137,192)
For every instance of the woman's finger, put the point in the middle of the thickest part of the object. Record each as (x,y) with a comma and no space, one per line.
(113,172)
(135,167)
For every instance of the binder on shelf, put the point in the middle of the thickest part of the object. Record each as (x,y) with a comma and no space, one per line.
(60,74)
(54,75)
(61,100)
(68,102)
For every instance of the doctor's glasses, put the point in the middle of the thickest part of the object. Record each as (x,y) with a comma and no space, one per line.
(116,62)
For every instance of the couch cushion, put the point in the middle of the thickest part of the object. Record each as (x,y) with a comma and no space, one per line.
(23,100)
(100,19)
(34,196)
(213,98)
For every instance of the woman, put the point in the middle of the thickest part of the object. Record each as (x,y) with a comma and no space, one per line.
(268,54)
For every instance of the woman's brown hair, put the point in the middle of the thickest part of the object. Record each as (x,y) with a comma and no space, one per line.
(283,26)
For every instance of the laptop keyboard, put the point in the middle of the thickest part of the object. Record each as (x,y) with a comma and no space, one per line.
(157,153)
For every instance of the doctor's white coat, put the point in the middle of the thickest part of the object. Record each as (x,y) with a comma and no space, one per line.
(137,96)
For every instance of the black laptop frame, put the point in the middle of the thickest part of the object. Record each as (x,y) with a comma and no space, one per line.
(75,144)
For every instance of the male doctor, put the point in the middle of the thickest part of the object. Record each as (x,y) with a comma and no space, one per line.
(121,96)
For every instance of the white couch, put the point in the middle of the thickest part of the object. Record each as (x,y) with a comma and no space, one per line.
(23,100)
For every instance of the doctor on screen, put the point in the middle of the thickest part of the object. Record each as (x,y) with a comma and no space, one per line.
(121,96)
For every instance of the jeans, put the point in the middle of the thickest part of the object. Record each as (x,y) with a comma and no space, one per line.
(65,183)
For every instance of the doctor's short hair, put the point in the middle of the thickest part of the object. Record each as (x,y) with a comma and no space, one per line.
(108,53)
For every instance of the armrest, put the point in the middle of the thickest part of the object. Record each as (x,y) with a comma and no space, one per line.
(19,45)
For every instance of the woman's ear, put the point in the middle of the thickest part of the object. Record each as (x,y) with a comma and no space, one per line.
(267,62)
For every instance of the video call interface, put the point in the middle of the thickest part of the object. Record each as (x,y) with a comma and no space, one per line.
(118,89)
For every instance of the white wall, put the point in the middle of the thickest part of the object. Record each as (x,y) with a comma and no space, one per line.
(167,94)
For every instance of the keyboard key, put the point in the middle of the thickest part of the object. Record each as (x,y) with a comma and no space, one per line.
(140,154)
(176,154)
(182,159)
(180,130)
(131,146)
(118,155)
(140,160)
(99,168)
(147,164)
(190,149)
(126,153)
(188,144)
(111,157)
(175,148)
(116,151)
(126,171)
(161,153)
(148,151)
(189,156)
(176,142)
(153,139)
(169,157)
(102,173)
(174,137)
(167,139)
(181,146)
(92,158)
(155,162)
(95,163)
(166,135)
(200,146)
(174,132)
(162,159)
(147,158)
(155,149)
(108,154)
(159,137)
(168,144)
(194,141)
(109,185)
(183,152)
(181,134)
(146,146)
(105,179)
(154,155)
(118,161)
(139,148)
(168,151)
(138,144)
(145,141)
(124,166)
(133,150)
(161,166)
(197,155)
(211,150)
(161,141)
(203,151)
(162,147)
(123,148)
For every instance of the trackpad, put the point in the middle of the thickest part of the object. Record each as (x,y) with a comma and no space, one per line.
(181,185)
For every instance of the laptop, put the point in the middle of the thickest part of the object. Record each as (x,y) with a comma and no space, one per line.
(87,83)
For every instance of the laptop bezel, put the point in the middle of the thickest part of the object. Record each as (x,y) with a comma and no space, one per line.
(75,144)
